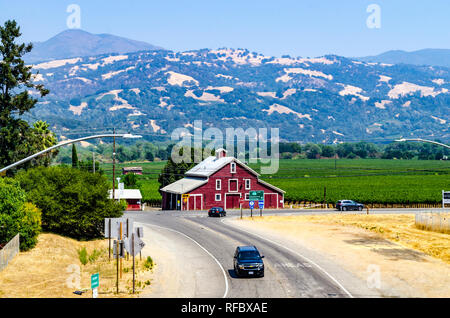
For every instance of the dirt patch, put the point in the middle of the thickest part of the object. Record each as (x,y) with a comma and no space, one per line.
(53,269)
(409,262)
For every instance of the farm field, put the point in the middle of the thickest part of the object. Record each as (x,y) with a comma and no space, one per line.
(364,180)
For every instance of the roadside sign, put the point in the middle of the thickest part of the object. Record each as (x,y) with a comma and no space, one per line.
(121,249)
(256,195)
(261,204)
(445,198)
(115,227)
(185,195)
(138,245)
(139,231)
(95,280)
(251,204)
(241,201)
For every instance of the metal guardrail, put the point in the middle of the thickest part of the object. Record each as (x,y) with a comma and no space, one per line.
(8,252)
(437,222)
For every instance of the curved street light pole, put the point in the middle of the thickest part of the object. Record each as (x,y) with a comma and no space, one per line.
(65,143)
(424,140)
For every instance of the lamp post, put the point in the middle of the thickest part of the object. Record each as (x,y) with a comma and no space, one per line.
(431,142)
(65,143)
(423,140)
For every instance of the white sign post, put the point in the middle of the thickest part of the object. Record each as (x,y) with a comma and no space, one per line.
(134,245)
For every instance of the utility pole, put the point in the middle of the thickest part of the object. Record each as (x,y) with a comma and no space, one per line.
(114,165)
(93,162)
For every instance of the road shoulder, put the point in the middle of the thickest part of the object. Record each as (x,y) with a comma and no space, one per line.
(183,269)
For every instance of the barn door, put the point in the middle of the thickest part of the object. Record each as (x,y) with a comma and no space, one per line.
(232,201)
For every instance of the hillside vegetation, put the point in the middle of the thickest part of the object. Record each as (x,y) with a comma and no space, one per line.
(326,99)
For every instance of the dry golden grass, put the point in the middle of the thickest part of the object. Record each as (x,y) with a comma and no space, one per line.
(50,270)
(399,228)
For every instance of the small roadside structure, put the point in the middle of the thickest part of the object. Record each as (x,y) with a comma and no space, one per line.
(133,197)
(135,170)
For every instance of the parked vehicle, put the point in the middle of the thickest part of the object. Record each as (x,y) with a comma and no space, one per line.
(347,205)
(248,261)
(217,211)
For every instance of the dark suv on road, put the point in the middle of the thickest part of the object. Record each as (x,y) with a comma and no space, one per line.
(345,205)
(217,211)
(248,261)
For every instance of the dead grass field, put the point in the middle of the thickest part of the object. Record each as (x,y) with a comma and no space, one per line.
(399,228)
(53,270)
(412,262)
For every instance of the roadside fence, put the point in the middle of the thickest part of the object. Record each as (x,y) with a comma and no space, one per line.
(318,205)
(8,252)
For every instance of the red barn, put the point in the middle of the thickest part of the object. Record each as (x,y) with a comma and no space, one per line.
(219,181)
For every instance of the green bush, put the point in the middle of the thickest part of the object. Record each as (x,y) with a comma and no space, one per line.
(83,255)
(17,215)
(30,226)
(148,264)
(74,203)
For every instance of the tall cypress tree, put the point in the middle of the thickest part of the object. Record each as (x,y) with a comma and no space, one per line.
(16,136)
(74,157)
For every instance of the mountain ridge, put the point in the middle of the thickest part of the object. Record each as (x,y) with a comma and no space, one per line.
(429,56)
(325,99)
(79,43)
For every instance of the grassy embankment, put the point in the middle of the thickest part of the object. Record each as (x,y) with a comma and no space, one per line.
(55,266)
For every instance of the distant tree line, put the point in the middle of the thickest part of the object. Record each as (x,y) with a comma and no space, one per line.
(139,151)
(363,150)
(147,151)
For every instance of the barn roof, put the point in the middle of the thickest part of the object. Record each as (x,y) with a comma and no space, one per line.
(184,185)
(212,164)
(271,186)
(126,194)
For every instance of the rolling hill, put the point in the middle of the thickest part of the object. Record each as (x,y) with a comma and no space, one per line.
(437,57)
(79,43)
(325,99)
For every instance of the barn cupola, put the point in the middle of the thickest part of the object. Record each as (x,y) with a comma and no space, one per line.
(221,153)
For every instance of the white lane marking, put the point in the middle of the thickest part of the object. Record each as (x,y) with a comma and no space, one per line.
(215,259)
(304,257)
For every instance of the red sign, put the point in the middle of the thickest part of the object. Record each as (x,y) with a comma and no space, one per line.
(241,200)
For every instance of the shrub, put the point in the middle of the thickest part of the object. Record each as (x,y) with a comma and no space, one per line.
(30,226)
(83,255)
(73,202)
(148,264)
(18,216)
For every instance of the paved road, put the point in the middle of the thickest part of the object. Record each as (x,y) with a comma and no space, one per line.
(289,273)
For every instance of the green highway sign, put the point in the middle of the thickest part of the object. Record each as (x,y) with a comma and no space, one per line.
(95,280)
(256,195)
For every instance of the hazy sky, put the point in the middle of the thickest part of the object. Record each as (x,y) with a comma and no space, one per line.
(294,27)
